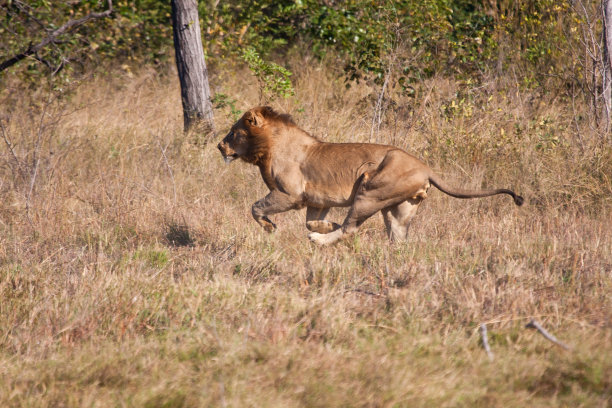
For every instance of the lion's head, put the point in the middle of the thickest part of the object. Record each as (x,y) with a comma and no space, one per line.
(250,138)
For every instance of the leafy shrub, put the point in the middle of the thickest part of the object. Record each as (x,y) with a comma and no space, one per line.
(272,78)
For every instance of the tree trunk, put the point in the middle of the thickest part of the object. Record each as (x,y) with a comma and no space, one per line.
(195,93)
(607,60)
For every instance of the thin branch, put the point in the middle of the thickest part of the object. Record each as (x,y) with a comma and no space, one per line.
(9,145)
(378,108)
(71,24)
(485,341)
(25,9)
(533,324)
(163,153)
(590,25)
(575,115)
(36,154)
(54,69)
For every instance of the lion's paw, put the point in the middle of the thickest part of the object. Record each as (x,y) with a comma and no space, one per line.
(325,239)
(321,226)
(267,225)
(317,238)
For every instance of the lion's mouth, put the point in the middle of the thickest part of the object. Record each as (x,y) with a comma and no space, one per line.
(230,158)
(224,149)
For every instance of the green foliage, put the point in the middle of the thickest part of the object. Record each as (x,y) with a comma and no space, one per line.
(471,38)
(222,101)
(354,31)
(537,39)
(415,39)
(409,39)
(265,24)
(136,31)
(273,79)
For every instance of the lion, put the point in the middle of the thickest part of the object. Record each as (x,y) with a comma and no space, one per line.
(302,171)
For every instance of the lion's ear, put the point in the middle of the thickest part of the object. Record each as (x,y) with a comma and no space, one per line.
(248,117)
(267,111)
(253,119)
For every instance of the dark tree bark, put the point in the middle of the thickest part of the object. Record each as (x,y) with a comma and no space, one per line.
(195,93)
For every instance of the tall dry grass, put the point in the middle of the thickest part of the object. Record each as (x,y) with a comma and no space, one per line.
(132,273)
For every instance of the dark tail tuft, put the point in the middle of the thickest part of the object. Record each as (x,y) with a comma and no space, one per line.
(518,200)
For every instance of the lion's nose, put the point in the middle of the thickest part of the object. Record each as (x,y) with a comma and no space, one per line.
(220,147)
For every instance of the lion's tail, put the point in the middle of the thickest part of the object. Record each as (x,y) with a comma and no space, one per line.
(460,193)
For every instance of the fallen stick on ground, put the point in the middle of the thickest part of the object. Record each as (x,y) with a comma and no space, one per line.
(533,324)
(485,341)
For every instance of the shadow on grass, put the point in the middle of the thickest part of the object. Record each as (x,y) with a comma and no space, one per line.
(177,234)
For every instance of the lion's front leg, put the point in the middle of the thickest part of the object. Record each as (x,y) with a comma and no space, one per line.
(273,203)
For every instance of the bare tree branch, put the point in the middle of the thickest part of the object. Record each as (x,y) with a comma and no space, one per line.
(163,152)
(533,324)
(607,59)
(25,9)
(52,37)
(11,149)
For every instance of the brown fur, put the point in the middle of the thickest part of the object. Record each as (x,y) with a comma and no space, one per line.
(302,171)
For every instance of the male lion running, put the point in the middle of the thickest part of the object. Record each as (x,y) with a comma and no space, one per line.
(302,171)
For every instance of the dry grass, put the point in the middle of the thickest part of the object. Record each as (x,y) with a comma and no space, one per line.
(131,273)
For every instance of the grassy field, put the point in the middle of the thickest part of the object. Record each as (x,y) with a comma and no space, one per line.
(132,273)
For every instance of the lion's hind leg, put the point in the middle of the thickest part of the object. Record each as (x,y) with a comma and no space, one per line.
(398,184)
(397,218)
(364,206)
(316,222)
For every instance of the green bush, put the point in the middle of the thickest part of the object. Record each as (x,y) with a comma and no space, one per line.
(272,78)
(367,38)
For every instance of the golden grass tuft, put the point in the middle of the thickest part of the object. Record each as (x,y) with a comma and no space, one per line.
(131,272)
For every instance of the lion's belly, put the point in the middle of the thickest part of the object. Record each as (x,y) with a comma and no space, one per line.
(323,197)
(332,170)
